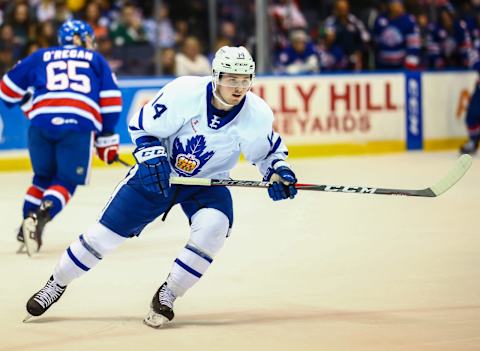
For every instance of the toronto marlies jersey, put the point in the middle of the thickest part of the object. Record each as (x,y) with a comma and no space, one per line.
(199,142)
(73,88)
(397,41)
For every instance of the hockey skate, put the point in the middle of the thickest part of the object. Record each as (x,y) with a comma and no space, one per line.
(21,241)
(43,299)
(161,308)
(32,228)
(470,147)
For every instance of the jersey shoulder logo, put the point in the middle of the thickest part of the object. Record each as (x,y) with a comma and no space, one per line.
(188,160)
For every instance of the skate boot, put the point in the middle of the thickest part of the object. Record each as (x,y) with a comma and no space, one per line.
(33,225)
(161,308)
(470,147)
(44,298)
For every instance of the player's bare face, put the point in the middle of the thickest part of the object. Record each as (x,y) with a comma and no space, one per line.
(233,87)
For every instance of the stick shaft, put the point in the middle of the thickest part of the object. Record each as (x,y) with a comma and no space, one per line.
(125,163)
(461,166)
(312,187)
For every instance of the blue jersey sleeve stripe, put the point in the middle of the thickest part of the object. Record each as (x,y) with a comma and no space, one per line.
(76,261)
(140,119)
(188,269)
(275,147)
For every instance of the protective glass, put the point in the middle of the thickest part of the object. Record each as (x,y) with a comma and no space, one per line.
(235,82)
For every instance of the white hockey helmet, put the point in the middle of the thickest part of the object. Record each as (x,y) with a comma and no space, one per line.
(234,60)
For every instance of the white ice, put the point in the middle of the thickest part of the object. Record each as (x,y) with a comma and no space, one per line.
(325,271)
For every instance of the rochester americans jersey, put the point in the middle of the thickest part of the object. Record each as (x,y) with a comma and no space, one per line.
(199,142)
(448,48)
(73,88)
(397,41)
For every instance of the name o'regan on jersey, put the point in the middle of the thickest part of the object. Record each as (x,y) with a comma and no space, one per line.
(74,88)
(67,54)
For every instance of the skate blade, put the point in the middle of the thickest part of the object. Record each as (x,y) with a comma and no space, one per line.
(155,320)
(22,249)
(30,244)
(27,317)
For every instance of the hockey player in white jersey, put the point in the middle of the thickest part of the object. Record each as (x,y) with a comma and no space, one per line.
(193,127)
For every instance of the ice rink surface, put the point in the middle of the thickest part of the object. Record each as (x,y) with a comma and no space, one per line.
(323,272)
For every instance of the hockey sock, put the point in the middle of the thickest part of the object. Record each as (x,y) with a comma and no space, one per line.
(84,253)
(209,228)
(33,199)
(187,269)
(59,196)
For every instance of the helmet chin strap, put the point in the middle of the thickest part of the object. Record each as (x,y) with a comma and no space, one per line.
(221,100)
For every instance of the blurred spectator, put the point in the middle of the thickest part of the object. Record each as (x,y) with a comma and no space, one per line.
(237,20)
(340,41)
(45,10)
(193,16)
(346,35)
(181,32)
(47,35)
(286,17)
(190,62)
(31,48)
(397,40)
(98,23)
(105,47)
(448,41)
(129,28)
(62,12)
(10,50)
(299,57)
(160,31)
(168,61)
(424,33)
(22,23)
(228,31)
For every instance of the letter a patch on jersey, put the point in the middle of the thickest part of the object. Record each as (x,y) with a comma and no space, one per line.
(189,160)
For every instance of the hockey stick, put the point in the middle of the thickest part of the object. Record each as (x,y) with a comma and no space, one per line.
(119,160)
(461,166)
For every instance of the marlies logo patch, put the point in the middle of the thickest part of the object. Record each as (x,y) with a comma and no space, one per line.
(190,159)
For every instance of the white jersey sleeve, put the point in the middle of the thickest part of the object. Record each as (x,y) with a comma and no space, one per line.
(261,145)
(168,111)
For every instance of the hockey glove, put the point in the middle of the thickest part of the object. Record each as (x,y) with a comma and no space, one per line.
(283,182)
(107,147)
(153,167)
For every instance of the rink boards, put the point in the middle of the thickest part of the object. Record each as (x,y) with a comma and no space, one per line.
(319,115)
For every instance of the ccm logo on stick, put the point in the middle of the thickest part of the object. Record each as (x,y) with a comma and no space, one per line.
(347,189)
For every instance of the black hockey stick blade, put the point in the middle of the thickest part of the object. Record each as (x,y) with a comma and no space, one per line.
(461,166)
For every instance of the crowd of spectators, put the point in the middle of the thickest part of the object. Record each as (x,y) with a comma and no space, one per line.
(306,36)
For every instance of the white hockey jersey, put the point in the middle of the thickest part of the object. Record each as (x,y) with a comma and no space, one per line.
(201,144)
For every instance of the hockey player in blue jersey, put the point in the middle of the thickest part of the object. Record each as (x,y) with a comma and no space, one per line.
(472,118)
(193,127)
(448,42)
(397,39)
(75,103)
